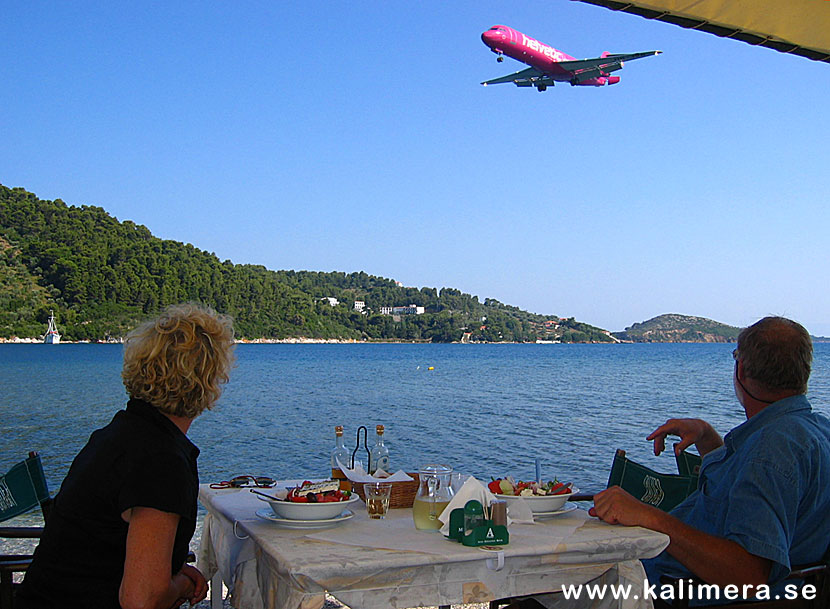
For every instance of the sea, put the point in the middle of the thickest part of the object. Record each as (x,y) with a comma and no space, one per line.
(487,410)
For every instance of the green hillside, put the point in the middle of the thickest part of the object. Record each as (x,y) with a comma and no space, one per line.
(674,328)
(101,276)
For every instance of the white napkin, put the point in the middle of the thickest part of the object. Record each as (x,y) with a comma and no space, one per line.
(358,474)
(519,511)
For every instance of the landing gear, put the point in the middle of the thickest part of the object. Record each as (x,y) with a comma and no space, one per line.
(500,58)
(541,88)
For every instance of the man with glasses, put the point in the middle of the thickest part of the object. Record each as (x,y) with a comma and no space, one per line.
(763,500)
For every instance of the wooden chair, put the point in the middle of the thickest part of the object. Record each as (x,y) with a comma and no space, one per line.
(816,574)
(22,489)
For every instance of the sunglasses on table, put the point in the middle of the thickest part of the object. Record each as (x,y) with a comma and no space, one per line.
(243,481)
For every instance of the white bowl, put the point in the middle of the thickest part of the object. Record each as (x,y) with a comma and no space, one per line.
(309,511)
(541,503)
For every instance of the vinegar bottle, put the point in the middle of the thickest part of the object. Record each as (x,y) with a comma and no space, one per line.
(340,454)
(379,455)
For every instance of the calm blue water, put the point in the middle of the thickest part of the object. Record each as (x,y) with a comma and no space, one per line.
(488,410)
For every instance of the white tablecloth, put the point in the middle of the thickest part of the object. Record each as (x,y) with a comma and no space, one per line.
(373,564)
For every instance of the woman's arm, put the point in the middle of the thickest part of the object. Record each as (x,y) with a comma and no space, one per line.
(147,583)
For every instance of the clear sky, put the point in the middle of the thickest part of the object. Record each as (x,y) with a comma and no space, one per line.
(355,136)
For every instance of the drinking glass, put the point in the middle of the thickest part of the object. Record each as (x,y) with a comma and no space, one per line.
(377,498)
(457,480)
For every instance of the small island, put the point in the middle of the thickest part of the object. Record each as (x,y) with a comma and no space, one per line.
(675,328)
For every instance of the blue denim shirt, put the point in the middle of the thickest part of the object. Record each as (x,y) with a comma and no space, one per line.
(767,489)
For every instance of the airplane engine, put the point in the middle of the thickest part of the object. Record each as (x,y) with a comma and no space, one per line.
(613,80)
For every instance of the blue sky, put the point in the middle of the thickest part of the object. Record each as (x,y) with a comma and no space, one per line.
(355,136)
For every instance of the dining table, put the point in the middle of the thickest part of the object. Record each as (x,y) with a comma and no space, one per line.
(373,564)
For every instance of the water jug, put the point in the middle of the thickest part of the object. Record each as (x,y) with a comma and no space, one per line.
(434,493)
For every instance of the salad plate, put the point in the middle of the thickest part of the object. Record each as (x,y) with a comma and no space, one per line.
(290,523)
(570,507)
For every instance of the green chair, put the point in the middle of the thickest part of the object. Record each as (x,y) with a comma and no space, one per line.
(22,489)
(688,464)
(663,491)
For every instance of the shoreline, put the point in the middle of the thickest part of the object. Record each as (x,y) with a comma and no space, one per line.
(319,341)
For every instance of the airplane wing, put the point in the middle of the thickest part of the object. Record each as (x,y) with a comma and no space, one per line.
(530,77)
(585,69)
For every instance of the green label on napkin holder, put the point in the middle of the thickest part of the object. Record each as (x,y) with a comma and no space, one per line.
(488,534)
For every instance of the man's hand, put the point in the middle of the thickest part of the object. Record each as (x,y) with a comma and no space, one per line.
(615,506)
(200,586)
(691,431)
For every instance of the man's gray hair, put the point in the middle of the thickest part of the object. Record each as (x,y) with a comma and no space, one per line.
(777,353)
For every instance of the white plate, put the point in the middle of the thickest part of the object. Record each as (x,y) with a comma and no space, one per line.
(309,511)
(570,507)
(268,514)
(540,504)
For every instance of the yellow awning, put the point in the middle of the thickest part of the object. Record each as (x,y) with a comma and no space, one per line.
(800,27)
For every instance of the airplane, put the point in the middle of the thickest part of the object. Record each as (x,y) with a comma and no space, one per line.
(549,66)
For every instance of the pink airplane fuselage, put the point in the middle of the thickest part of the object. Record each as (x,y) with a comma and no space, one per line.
(504,40)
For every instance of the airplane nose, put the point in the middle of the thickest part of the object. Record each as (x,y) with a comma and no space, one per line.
(490,38)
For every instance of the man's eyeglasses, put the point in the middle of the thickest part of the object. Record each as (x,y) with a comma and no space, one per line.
(243,481)
(735,354)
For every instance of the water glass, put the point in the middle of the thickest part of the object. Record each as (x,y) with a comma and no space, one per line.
(457,480)
(377,498)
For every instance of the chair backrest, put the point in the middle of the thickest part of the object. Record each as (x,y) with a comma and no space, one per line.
(688,464)
(663,491)
(23,488)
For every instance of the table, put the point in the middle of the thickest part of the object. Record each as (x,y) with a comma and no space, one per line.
(374,564)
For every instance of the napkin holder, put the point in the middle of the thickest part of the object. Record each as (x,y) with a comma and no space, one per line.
(486,534)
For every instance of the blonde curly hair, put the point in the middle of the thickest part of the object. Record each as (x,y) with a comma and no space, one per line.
(179,361)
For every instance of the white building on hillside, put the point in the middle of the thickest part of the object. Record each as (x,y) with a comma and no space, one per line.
(408,310)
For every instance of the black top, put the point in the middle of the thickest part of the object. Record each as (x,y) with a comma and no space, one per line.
(141,459)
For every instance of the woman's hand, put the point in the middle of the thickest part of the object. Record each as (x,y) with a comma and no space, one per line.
(691,431)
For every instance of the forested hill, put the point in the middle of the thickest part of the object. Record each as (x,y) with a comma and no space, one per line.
(101,276)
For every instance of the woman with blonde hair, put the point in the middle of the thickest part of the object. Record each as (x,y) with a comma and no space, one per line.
(118,533)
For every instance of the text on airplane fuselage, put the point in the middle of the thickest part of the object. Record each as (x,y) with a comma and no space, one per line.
(535,45)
